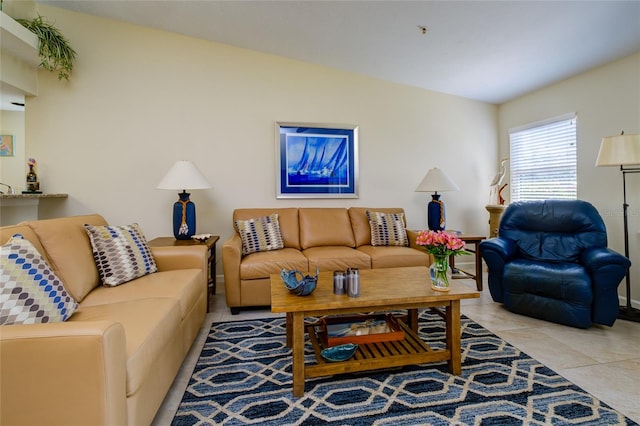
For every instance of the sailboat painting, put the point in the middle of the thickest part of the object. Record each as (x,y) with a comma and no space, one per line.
(317,161)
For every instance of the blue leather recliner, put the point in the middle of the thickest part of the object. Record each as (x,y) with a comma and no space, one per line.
(551,261)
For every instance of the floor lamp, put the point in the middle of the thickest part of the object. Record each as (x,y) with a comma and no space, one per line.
(623,151)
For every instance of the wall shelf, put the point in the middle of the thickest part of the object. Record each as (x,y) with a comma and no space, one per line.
(15,208)
(18,41)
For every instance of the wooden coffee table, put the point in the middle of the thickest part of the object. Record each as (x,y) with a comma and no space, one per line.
(380,290)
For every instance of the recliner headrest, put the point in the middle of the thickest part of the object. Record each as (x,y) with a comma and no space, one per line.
(553,230)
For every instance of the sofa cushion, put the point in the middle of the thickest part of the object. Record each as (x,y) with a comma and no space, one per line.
(387,229)
(395,256)
(151,327)
(68,250)
(183,285)
(336,258)
(30,292)
(360,222)
(325,227)
(259,234)
(6,232)
(263,264)
(287,220)
(121,253)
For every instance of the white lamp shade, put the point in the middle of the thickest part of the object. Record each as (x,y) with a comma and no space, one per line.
(436,180)
(621,150)
(184,175)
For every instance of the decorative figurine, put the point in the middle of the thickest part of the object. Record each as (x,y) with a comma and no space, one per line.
(33,186)
(494,196)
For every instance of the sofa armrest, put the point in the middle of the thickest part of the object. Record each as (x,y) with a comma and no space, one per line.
(71,373)
(170,258)
(231,258)
(412,235)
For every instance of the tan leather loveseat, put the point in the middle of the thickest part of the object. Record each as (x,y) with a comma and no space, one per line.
(330,239)
(113,361)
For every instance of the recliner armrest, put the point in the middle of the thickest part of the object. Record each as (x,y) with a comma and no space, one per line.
(505,248)
(606,269)
(496,252)
(599,257)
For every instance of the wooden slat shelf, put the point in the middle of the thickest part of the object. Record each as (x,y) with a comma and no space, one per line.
(374,356)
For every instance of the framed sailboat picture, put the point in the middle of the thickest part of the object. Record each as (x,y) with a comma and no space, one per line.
(317,160)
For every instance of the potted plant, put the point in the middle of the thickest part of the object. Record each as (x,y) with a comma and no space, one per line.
(55,52)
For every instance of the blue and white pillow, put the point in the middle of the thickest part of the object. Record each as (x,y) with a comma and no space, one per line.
(30,292)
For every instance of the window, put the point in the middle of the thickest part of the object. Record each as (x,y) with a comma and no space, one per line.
(543,160)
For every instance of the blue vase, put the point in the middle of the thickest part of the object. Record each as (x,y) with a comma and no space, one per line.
(184,217)
(435,214)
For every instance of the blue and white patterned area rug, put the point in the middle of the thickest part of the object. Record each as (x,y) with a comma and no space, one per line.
(243,377)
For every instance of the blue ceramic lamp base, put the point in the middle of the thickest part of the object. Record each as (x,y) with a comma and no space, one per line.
(435,213)
(184,217)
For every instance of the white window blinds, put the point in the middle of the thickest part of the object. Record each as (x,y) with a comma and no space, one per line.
(543,160)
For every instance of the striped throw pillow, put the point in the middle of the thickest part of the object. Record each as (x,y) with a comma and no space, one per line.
(260,234)
(121,253)
(387,229)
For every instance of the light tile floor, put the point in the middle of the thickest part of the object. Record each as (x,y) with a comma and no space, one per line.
(604,361)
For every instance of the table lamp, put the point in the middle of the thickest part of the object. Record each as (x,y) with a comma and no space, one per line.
(621,151)
(184,175)
(436,180)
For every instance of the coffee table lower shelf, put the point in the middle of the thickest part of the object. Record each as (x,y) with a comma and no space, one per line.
(374,356)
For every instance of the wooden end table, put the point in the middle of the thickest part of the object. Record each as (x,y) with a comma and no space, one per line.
(211,247)
(380,290)
(459,273)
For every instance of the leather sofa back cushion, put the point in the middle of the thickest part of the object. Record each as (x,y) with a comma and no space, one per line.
(69,251)
(325,227)
(360,222)
(6,232)
(553,230)
(287,219)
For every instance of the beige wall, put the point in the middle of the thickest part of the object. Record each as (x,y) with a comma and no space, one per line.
(13,169)
(607,101)
(140,99)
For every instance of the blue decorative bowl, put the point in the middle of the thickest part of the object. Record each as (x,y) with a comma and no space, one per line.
(302,287)
(339,353)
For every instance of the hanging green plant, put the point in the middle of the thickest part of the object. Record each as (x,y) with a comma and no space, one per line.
(55,52)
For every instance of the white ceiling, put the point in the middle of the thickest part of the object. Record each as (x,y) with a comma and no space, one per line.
(492,51)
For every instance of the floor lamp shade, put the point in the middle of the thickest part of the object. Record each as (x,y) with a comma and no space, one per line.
(623,151)
(184,175)
(436,180)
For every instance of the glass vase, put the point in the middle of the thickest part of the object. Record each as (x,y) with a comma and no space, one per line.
(440,273)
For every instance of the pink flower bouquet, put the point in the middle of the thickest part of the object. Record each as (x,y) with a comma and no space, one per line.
(441,244)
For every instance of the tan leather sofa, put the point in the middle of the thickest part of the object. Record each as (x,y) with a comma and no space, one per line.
(330,239)
(114,360)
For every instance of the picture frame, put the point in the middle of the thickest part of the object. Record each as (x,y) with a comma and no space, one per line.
(7,148)
(316,160)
